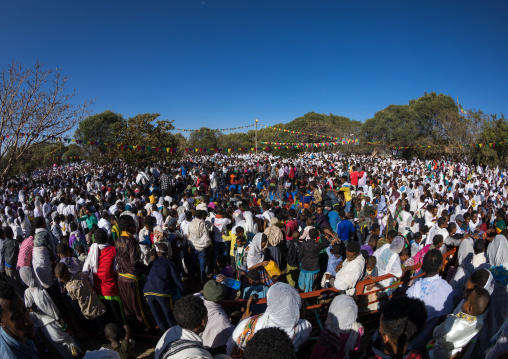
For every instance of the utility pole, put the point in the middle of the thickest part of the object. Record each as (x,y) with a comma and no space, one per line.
(256,136)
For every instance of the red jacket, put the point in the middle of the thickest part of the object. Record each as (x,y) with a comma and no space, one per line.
(105,280)
(355,176)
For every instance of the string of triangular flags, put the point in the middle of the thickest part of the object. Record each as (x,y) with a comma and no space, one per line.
(213,130)
(345,142)
(303,133)
(476,145)
(71,158)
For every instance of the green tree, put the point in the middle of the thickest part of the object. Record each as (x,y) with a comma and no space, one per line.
(97,128)
(73,150)
(495,131)
(145,138)
(204,138)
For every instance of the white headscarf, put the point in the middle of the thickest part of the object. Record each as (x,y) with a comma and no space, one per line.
(397,244)
(341,319)
(497,253)
(491,282)
(250,225)
(255,254)
(283,307)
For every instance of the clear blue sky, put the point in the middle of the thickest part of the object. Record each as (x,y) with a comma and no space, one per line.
(223,63)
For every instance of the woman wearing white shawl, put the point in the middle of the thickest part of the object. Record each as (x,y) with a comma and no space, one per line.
(250,227)
(388,260)
(497,256)
(342,333)
(283,311)
(45,315)
(465,268)
(256,254)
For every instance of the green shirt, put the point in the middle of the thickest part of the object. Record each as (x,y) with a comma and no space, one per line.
(123,350)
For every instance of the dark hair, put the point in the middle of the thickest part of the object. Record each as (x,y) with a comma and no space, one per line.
(124,222)
(80,248)
(8,232)
(482,300)
(39,222)
(112,331)
(479,246)
(253,275)
(392,233)
(372,261)
(6,292)
(335,249)
(432,261)
(189,312)
(313,233)
(441,221)
(353,247)
(403,318)
(62,248)
(270,343)
(222,260)
(60,269)
(149,221)
(100,236)
(438,238)
(480,277)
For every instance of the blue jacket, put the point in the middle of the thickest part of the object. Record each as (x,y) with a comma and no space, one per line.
(163,278)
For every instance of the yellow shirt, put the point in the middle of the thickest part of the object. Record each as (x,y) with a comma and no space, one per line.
(152,199)
(347,193)
(230,238)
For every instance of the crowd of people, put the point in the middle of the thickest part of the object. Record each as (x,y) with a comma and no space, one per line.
(163,249)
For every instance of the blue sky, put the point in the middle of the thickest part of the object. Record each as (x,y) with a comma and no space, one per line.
(223,63)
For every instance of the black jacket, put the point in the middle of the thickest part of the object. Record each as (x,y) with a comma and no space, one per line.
(308,254)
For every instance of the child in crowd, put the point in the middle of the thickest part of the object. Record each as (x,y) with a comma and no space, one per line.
(479,253)
(370,268)
(66,256)
(79,288)
(293,265)
(416,243)
(334,258)
(437,243)
(405,258)
(371,245)
(451,336)
(225,270)
(75,237)
(309,225)
(122,347)
(309,260)
(239,261)
(255,288)
(80,249)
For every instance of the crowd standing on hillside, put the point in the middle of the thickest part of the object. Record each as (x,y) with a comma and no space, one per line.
(156,249)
